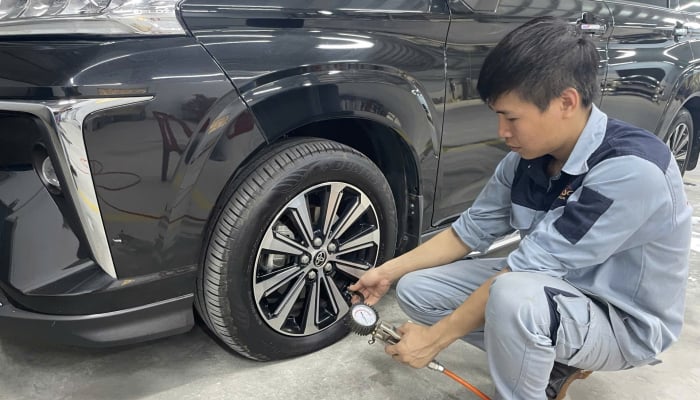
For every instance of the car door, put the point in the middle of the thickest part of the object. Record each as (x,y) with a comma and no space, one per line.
(648,52)
(470,148)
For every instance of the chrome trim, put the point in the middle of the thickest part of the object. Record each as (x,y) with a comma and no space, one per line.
(499,244)
(64,120)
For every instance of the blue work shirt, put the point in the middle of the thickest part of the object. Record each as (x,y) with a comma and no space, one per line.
(615,223)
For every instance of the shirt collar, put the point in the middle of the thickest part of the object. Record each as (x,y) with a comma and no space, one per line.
(590,139)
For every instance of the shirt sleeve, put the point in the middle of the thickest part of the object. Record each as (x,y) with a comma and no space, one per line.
(617,197)
(489,217)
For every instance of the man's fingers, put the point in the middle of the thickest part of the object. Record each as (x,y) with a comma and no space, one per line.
(390,350)
(407,326)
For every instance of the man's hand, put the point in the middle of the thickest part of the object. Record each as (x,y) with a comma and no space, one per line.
(418,346)
(373,285)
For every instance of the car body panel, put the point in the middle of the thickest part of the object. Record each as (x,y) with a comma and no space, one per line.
(153,221)
(470,128)
(646,63)
(311,61)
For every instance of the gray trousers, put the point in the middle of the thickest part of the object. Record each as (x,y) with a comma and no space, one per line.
(532,320)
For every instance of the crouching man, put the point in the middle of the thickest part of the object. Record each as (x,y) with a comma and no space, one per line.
(598,280)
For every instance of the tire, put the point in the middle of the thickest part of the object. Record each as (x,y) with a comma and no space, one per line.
(680,138)
(269,288)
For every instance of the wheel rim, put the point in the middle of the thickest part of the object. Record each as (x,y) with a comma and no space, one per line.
(321,241)
(679,142)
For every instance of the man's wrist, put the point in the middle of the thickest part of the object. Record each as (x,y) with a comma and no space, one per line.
(444,332)
(391,270)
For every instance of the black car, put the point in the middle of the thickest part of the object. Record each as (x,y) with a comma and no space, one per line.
(246,161)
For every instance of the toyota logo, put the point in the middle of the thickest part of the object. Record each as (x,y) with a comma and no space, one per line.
(320,258)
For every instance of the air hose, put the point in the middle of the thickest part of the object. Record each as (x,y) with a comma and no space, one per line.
(436,366)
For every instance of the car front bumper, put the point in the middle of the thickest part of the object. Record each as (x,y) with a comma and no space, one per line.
(150,321)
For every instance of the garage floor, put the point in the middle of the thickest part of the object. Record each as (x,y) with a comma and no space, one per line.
(193,366)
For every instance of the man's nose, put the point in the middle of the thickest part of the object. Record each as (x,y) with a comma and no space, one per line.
(503,130)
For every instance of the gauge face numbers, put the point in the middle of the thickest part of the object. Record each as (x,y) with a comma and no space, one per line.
(364,315)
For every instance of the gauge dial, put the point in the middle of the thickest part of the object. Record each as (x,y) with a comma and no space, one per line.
(364,315)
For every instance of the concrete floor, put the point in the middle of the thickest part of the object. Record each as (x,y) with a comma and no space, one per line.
(193,366)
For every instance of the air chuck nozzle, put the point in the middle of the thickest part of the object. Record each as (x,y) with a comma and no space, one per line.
(436,366)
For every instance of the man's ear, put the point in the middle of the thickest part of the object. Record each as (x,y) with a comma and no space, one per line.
(569,101)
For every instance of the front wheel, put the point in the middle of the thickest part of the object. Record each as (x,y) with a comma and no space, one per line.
(680,138)
(294,229)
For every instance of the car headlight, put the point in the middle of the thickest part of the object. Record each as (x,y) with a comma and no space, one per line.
(100,17)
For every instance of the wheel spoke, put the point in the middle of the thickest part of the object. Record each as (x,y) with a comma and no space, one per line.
(334,197)
(337,300)
(681,144)
(312,311)
(300,212)
(356,211)
(364,241)
(679,138)
(279,316)
(278,243)
(351,268)
(681,156)
(272,282)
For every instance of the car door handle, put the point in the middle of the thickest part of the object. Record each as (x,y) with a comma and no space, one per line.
(592,28)
(589,23)
(679,31)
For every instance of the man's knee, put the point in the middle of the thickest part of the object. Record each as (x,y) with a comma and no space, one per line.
(425,297)
(411,290)
(518,298)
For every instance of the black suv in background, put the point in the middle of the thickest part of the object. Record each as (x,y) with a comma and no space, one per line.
(246,161)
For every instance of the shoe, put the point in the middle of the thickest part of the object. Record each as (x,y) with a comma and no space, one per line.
(561,377)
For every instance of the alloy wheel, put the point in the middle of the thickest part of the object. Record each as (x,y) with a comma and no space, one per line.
(320,242)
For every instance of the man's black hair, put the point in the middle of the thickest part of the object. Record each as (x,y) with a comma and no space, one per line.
(538,61)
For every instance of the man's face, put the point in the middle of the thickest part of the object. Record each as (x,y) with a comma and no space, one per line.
(527,130)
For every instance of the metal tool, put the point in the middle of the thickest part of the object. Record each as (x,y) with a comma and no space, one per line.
(364,320)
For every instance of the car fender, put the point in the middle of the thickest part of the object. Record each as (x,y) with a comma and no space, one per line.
(241,127)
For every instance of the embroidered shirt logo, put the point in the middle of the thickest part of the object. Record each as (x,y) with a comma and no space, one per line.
(565,193)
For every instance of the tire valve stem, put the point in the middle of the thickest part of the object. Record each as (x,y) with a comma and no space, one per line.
(364,320)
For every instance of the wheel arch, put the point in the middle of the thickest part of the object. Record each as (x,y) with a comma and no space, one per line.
(381,111)
(392,155)
(687,95)
(373,111)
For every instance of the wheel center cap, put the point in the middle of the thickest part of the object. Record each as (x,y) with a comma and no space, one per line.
(320,258)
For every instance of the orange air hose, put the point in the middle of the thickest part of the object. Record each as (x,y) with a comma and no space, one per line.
(466,384)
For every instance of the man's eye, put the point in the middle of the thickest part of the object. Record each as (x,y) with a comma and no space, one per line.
(512,119)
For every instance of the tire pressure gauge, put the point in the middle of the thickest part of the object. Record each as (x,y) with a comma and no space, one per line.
(363,319)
